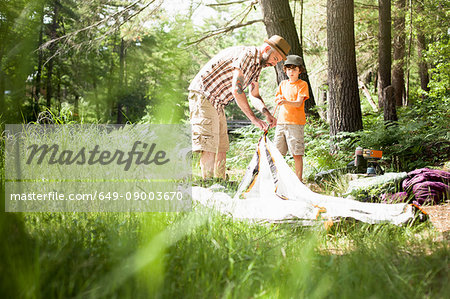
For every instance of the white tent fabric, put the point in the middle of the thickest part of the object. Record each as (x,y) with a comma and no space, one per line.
(270,191)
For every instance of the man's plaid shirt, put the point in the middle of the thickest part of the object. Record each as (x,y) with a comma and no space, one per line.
(215,79)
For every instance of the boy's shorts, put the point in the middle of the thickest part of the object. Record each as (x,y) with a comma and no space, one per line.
(209,127)
(290,137)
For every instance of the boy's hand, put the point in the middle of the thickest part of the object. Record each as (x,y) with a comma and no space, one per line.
(279,99)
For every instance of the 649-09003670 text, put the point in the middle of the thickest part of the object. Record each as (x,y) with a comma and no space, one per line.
(102,195)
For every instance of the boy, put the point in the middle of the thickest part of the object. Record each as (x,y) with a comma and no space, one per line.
(290,98)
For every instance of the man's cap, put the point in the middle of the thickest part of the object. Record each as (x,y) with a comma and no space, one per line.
(279,44)
(294,60)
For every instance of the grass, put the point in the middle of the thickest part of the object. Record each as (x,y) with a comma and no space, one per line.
(205,255)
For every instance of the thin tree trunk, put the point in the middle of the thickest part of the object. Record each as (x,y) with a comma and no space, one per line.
(343,99)
(121,80)
(2,89)
(53,35)
(301,24)
(76,107)
(366,93)
(421,49)
(390,111)
(384,48)
(384,65)
(408,58)
(37,92)
(58,89)
(398,73)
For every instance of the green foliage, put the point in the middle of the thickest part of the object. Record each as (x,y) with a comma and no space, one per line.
(438,55)
(93,255)
(324,153)
(374,192)
(419,139)
(243,145)
(168,69)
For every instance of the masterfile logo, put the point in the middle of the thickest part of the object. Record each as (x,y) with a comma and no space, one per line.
(100,152)
(98,168)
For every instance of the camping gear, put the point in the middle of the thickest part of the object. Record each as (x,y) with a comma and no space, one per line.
(372,154)
(371,171)
(360,162)
(270,191)
(366,161)
(372,158)
(422,186)
(427,185)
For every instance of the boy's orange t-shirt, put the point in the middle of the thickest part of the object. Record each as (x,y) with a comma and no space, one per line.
(289,114)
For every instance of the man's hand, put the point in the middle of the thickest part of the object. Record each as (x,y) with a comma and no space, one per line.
(260,124)
(270,118)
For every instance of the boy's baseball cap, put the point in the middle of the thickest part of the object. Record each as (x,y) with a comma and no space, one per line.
(294,60)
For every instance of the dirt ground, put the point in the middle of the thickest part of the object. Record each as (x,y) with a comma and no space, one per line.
(440,218)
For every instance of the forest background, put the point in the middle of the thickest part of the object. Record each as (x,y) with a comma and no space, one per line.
(124,61)
(132,61)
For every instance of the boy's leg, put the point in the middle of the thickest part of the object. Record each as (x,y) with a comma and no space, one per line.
(298,159)
(280,139)
(296,144)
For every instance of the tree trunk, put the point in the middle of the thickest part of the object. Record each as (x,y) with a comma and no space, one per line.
(37,89)
(343,98)
(423,67)
(49,89)
(121,80)
(421,48)
(2,91)
(384,48)
(53,34)
(398,73)
(278,19)
(76,107)
(390,111)
(367,94)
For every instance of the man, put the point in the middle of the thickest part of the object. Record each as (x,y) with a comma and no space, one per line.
(221,80)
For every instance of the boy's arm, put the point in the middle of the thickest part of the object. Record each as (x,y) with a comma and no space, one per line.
(259,104)
(298,103)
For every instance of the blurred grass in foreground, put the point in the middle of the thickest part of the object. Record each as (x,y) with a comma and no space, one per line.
(205,255)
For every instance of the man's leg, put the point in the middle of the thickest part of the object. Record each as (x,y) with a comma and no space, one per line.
(207,160)
(220,165)
(298,159)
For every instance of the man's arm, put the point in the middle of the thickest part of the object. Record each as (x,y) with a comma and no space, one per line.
(241,99)
(259,104)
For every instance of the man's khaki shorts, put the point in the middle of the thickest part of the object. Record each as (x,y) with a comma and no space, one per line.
(290,137)
(209,127)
